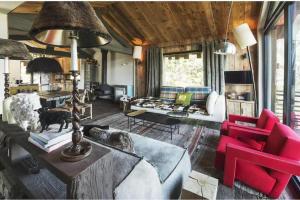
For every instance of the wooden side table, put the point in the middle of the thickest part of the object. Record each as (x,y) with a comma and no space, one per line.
(199,186)
(90,178)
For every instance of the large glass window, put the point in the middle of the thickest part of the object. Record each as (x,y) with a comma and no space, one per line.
(183,70)
(282,72)
(295,86)
(275,76)
(276,41)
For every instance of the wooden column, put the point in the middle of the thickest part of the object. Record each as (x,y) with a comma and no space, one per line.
(104,65)
(141,77)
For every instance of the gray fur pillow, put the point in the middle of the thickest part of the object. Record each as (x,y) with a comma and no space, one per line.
(120,140)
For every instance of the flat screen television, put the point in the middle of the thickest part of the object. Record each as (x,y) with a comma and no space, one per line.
(238,77)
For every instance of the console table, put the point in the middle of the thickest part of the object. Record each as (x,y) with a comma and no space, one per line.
(86,179)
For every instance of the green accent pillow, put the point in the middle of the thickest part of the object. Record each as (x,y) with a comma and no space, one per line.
(184,98)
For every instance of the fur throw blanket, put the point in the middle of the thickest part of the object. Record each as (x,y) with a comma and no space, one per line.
(117,139)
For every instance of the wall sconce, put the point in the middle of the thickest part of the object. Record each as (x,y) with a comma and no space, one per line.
(137,53)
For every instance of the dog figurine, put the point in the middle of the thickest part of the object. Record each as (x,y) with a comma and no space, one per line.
(54,116)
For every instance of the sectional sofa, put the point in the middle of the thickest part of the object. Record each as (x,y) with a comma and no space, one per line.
(211,105)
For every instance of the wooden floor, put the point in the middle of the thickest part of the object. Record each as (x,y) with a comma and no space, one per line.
(103,109)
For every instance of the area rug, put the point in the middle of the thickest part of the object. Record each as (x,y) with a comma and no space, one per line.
(188,136)
(201,141)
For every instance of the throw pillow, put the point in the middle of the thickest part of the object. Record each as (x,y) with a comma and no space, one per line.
(257,145)
(184,98)
(120,140)
(210,103)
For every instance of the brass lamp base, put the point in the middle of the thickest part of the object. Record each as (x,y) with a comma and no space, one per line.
(82,151)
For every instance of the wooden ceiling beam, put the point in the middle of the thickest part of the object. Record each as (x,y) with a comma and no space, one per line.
(146,11)
(164,23)
(210,19)
(116,28)
(118,15)
(137,19)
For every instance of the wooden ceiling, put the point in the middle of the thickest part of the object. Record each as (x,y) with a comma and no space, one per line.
(168,23)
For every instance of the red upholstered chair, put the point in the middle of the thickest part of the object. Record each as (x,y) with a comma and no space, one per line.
(263,124)
(267,166)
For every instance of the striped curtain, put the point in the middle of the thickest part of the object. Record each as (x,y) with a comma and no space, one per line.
(154,62)
(214,66)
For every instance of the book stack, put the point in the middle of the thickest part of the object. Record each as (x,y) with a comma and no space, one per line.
(51,139)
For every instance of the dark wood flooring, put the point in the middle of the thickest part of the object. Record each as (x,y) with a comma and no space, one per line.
(102,109)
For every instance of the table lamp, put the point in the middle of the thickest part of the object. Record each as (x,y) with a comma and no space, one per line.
(245,39)
(76,25)
(10,49)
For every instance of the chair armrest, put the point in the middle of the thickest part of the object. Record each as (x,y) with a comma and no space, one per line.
(235,152)
(234,118)
(254,133)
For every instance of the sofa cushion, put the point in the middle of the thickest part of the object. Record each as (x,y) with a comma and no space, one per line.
(169,93)
(184,98)
(200,94)
(277,138)
(210,103)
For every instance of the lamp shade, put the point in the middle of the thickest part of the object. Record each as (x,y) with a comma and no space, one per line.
(137,52)
(13,50)
(44,65)
(225,48)
(244,36)
(57,20)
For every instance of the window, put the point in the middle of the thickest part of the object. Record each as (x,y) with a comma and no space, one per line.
(183,70)
(282,81)
(295,86)
(276,42)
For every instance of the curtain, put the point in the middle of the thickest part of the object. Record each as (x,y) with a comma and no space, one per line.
(214,65)
(154,63)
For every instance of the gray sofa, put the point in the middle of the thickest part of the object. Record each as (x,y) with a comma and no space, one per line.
(164,167)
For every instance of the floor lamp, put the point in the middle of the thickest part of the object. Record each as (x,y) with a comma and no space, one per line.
(137,56)
(11,50)
(74,25)
(245,39)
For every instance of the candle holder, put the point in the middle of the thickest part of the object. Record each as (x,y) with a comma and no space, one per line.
(6,85)
(79,149)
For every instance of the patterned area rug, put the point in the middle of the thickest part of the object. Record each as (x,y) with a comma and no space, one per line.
(201,140)
(188,136)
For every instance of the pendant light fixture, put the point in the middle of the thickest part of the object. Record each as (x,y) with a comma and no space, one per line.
(44,65)
(225,47)
(76,25)
(13,50)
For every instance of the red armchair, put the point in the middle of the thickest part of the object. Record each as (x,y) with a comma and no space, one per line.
(267,169)
(263,124)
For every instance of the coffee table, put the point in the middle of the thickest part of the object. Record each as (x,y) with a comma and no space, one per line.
(165,123)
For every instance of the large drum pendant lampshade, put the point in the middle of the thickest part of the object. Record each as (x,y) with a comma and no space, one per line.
(13,50)
(57,20)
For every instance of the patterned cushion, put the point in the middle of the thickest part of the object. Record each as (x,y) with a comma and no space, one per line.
(169,93)
(200,94)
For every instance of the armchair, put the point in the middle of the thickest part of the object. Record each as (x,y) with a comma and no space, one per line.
(264,123)
(267,170)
